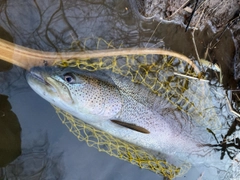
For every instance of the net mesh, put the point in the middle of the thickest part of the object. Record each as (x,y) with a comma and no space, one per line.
(105,142)
(167,76)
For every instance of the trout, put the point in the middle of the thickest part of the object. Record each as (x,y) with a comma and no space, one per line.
(126,110)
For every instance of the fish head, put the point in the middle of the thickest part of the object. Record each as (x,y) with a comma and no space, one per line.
(51,83)
(75,92)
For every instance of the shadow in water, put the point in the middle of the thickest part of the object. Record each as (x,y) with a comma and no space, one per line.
(10,133)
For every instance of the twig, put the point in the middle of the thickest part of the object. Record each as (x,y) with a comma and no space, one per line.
(190,77)
(194,9)
(178,9)
(193,39)
(153,33)
(195,47)
(230,107)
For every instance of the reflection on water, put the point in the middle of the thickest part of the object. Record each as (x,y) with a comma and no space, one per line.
(35,163)
(53,26)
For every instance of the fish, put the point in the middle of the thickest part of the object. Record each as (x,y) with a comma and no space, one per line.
(126,110)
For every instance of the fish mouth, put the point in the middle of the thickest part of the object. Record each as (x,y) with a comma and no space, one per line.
(38,76)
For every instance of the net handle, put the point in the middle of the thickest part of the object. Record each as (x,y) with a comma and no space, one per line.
(27,58)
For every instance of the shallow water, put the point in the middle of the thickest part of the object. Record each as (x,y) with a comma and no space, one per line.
(53,26)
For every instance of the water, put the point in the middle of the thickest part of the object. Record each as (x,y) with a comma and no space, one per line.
(53,26)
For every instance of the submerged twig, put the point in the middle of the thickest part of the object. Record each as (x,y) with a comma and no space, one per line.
(153,33)
(227,143)
(235,18)
(193,37)
(210,131)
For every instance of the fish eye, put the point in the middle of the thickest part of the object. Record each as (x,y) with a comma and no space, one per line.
(68,77)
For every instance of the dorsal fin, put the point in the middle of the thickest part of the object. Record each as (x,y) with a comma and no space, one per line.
(131,126)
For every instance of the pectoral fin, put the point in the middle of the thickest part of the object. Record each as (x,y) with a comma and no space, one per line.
(131,126)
